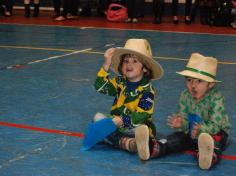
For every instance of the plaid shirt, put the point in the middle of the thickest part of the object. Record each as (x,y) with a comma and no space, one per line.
(135,107)
(211,109)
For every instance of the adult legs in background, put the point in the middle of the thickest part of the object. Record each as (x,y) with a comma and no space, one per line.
(132,6)
(57,8)
(36,8)
(73,9)
(188,5)
(2,10)
(158,8)
(70,10)
(175,11)
(27,8)
(141,8)
(9,7)
(103,6)
(206,8)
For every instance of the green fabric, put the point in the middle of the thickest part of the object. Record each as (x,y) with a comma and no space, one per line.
(124,99)
(211,109)
(201,72)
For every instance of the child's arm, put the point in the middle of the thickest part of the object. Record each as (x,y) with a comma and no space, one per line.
(217,119)
(107,58)
(179,120)
(174,121)
(117,121)
(102,83)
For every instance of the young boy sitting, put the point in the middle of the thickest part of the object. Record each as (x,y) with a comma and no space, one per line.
(134,95)
(201,122)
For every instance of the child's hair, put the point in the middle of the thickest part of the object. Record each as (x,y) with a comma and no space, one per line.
(147,75)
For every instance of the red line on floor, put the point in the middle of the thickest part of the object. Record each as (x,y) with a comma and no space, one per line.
(32,128)
(81,135)
(228,157)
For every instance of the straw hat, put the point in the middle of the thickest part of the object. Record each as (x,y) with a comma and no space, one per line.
(201,67)
(141,48)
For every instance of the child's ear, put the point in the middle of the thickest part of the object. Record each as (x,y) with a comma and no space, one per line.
(144,70)
(212,84)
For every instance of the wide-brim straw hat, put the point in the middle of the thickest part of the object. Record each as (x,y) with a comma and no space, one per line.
(142,49)
(201,67)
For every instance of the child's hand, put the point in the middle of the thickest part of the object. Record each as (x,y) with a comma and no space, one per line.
(195,131)
(118,121)
(174,121)
(107,58)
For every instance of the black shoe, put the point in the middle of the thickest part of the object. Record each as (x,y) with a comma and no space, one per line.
(27,10)
(36,10)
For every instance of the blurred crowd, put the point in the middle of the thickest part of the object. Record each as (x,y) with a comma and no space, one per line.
(211,12)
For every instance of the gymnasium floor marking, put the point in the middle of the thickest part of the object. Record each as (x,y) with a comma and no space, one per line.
(80,135)
(87,50)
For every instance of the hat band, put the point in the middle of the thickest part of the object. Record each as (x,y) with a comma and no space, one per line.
(201,72)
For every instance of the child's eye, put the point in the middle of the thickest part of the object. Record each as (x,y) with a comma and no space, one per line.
(126,61)
(188,79)
(135,60)
(198,81)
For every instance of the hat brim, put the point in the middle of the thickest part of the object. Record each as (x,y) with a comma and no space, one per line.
(157,70)
(197,75)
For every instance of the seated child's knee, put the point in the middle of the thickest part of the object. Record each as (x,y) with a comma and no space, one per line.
(98,116)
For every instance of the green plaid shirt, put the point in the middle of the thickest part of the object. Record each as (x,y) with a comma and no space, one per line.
(211,109)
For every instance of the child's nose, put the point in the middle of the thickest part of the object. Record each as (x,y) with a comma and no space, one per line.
(193,83)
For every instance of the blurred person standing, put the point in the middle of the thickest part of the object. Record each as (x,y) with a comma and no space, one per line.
(188,5)
(133,7)
(70,10)
(27,8)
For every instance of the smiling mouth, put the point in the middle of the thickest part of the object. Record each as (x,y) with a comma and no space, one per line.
(129,70)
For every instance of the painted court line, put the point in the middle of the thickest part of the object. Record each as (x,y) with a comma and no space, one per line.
(46,59)
(81,135)
(59,56)
(89,51)
(46,130)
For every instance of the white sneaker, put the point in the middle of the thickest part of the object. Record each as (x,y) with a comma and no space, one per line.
(233,25)
(142,142)
(7,13)
(98,116)
(134,20)
(60,18)
(129,20)
(206,149)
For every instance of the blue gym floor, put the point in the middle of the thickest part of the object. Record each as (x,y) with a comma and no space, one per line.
(47,97)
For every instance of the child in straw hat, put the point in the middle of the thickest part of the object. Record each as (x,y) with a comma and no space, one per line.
(201,122)
(132,91)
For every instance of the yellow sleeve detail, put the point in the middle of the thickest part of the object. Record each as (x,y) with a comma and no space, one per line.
(102,73)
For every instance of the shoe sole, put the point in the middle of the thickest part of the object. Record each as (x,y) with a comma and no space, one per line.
(206,148)
(142,141)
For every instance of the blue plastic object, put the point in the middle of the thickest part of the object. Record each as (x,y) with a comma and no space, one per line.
(193,118)
(97,131)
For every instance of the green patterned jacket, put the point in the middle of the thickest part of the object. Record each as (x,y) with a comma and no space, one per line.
(210,108)
(135,106)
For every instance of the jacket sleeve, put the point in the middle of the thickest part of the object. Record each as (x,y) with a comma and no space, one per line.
(218,118)
(183,112)
(104,84)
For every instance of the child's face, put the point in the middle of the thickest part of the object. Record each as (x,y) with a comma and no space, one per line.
(197,88)
(132,68)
